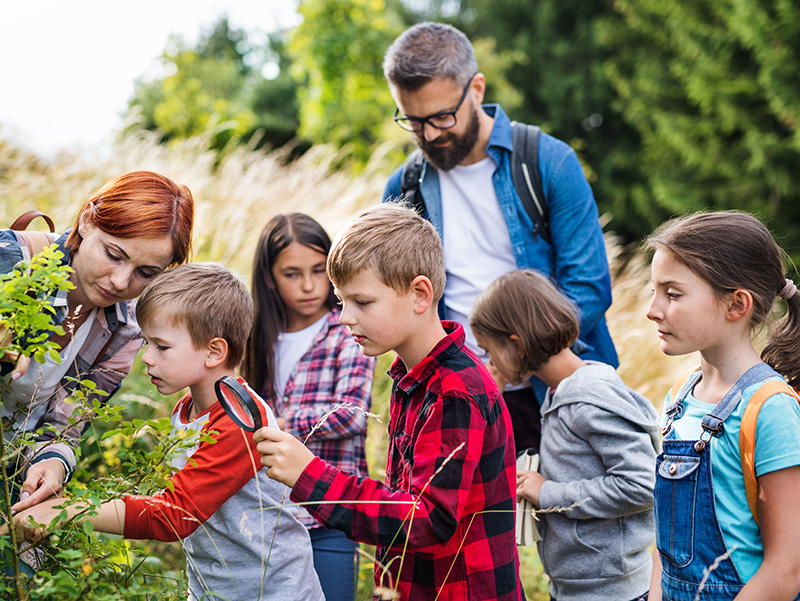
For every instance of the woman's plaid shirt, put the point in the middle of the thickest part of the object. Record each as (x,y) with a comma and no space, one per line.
(332,373)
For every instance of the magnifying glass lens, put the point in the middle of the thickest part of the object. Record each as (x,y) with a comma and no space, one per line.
(235,405)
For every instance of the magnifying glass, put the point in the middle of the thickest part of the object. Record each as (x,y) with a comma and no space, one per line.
(238,403)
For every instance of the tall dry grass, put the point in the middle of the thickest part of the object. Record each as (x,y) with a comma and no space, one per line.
(236,195)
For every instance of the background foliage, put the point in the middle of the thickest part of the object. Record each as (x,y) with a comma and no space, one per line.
(711,87)
(218,86)
(672,105)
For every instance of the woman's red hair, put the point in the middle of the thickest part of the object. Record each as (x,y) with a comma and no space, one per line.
(142,204)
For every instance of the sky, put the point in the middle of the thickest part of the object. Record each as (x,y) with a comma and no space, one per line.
(67,68)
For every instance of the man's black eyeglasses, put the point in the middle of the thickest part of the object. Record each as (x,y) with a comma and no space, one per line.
(443,120)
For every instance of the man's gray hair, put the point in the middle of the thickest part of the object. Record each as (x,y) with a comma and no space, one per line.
(429,51)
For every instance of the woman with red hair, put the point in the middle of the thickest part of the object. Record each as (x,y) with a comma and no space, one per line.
(132,229)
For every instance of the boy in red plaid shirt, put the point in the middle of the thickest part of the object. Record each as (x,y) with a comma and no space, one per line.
(444,521)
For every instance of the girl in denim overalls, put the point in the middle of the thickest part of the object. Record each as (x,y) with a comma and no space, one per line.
(716,276)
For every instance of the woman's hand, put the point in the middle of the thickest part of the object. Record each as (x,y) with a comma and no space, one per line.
(21,368)
(44,479)
(21,363)
(529,486)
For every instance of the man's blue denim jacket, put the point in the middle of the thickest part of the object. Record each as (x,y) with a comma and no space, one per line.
(576,260)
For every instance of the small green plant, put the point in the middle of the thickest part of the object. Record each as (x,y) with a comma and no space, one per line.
(23,310)
(26,323)
(129,457)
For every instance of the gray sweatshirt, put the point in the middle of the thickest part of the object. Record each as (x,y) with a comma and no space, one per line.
(598,452)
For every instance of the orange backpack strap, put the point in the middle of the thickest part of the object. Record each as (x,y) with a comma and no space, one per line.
(747,438)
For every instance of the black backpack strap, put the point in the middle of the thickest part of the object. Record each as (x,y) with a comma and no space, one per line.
(526,177)
(413,172)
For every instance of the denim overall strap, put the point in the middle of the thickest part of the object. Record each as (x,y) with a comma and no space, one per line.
(676,407)
(712,423)
(688,535)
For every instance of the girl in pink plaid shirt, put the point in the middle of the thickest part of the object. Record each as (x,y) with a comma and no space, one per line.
(310,370)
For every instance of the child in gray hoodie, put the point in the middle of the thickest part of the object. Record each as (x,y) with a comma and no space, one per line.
(596,473)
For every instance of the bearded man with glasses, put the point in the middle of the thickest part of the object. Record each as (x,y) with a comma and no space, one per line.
(467,192)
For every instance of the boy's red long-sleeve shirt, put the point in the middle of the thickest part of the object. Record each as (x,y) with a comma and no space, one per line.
(444,520)
(240,544)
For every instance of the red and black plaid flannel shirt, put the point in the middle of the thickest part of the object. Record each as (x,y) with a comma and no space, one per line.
(444,521)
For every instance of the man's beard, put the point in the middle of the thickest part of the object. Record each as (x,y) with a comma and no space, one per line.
(460,146)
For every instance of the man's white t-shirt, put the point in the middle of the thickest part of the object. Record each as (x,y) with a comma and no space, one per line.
(476,240)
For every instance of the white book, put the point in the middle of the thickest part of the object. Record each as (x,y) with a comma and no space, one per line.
(527,524)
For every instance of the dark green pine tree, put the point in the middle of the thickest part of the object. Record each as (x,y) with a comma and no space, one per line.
(712,87)
(556,60)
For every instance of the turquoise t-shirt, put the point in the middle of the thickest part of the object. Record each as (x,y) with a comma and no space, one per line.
(777,447)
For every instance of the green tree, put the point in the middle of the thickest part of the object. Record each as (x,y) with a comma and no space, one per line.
(274,101)
(712,87)
(550,54)
(218,85)
(338,55)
